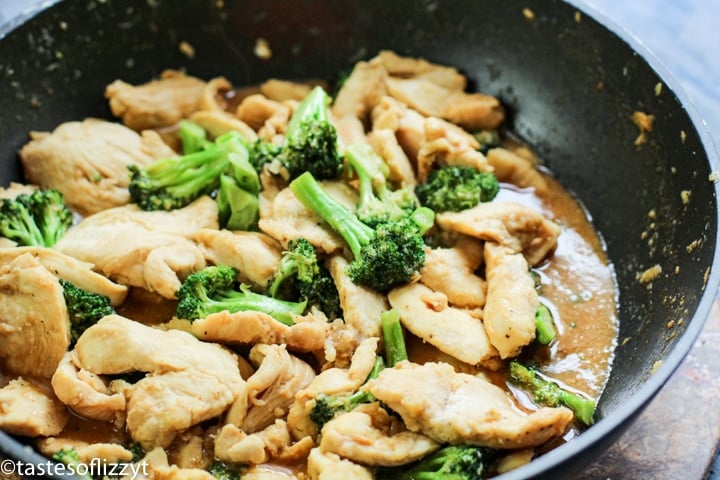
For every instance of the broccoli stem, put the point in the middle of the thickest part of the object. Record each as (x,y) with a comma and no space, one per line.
(311,194)
(189,173)
(24,228)
(544,328)
(313,106)
(546,392)
(192,137)
(246,299)
(395,351)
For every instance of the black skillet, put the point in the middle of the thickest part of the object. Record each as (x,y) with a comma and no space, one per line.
(570,86)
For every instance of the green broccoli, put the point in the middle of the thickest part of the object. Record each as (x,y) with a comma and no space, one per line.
(224,471)
(84,308)
(544,328)
(327,406)
(171,183)
(211,290)
(238,196)
(390,254)
(311,143)
(377,203)
(393,337)
(549,393)
(39,219)
(261,152)
(192,136)
(311,279)
(456,188)
(453,462)
(69,457)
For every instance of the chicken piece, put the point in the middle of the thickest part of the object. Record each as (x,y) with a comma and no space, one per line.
(472,111)
(510,167)
(234,445)
(272,388)
(87,161)
(30,409)
(331,381)
(150,250)
(458,408)
(217,122)
(456,332)
(367,439)
(86,393)
(254,255)
(187,381)
(361,306)
(288,219)
(419,68)
(328,466)
(385,144)
(255,110)
(214,94)
(515,226)
(408,124)
(274,128)
(447,144)
(451,271)
(190,449)
(15,189)
(250,327)
(269,472)
(281,90)
(158,103)
(350,130)
(155,466)
(361,91)
(512,300)
(34,326)
(87,450)
(70,269)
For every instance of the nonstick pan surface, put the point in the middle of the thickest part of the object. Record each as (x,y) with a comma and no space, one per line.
(569,83)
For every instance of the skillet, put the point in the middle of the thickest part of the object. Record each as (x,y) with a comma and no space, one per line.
(570,86)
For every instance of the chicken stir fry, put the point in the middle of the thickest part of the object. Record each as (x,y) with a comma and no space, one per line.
(289,285)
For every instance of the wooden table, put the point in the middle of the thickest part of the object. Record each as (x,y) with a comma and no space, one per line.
(676,437)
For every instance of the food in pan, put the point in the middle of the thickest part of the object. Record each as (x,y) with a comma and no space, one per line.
(372,279)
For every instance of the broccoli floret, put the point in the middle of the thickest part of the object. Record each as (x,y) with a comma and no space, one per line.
(454,462)
(224,471)
(171,183)
(549,393)
(311,279)
(327,406)
(544,328)
(37,219)
(84,308)
(261,152)
(211,290)
(311,143)
(69,456)
(393,337)
(299,261)
(377,203)
(392,253)
(456,188)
